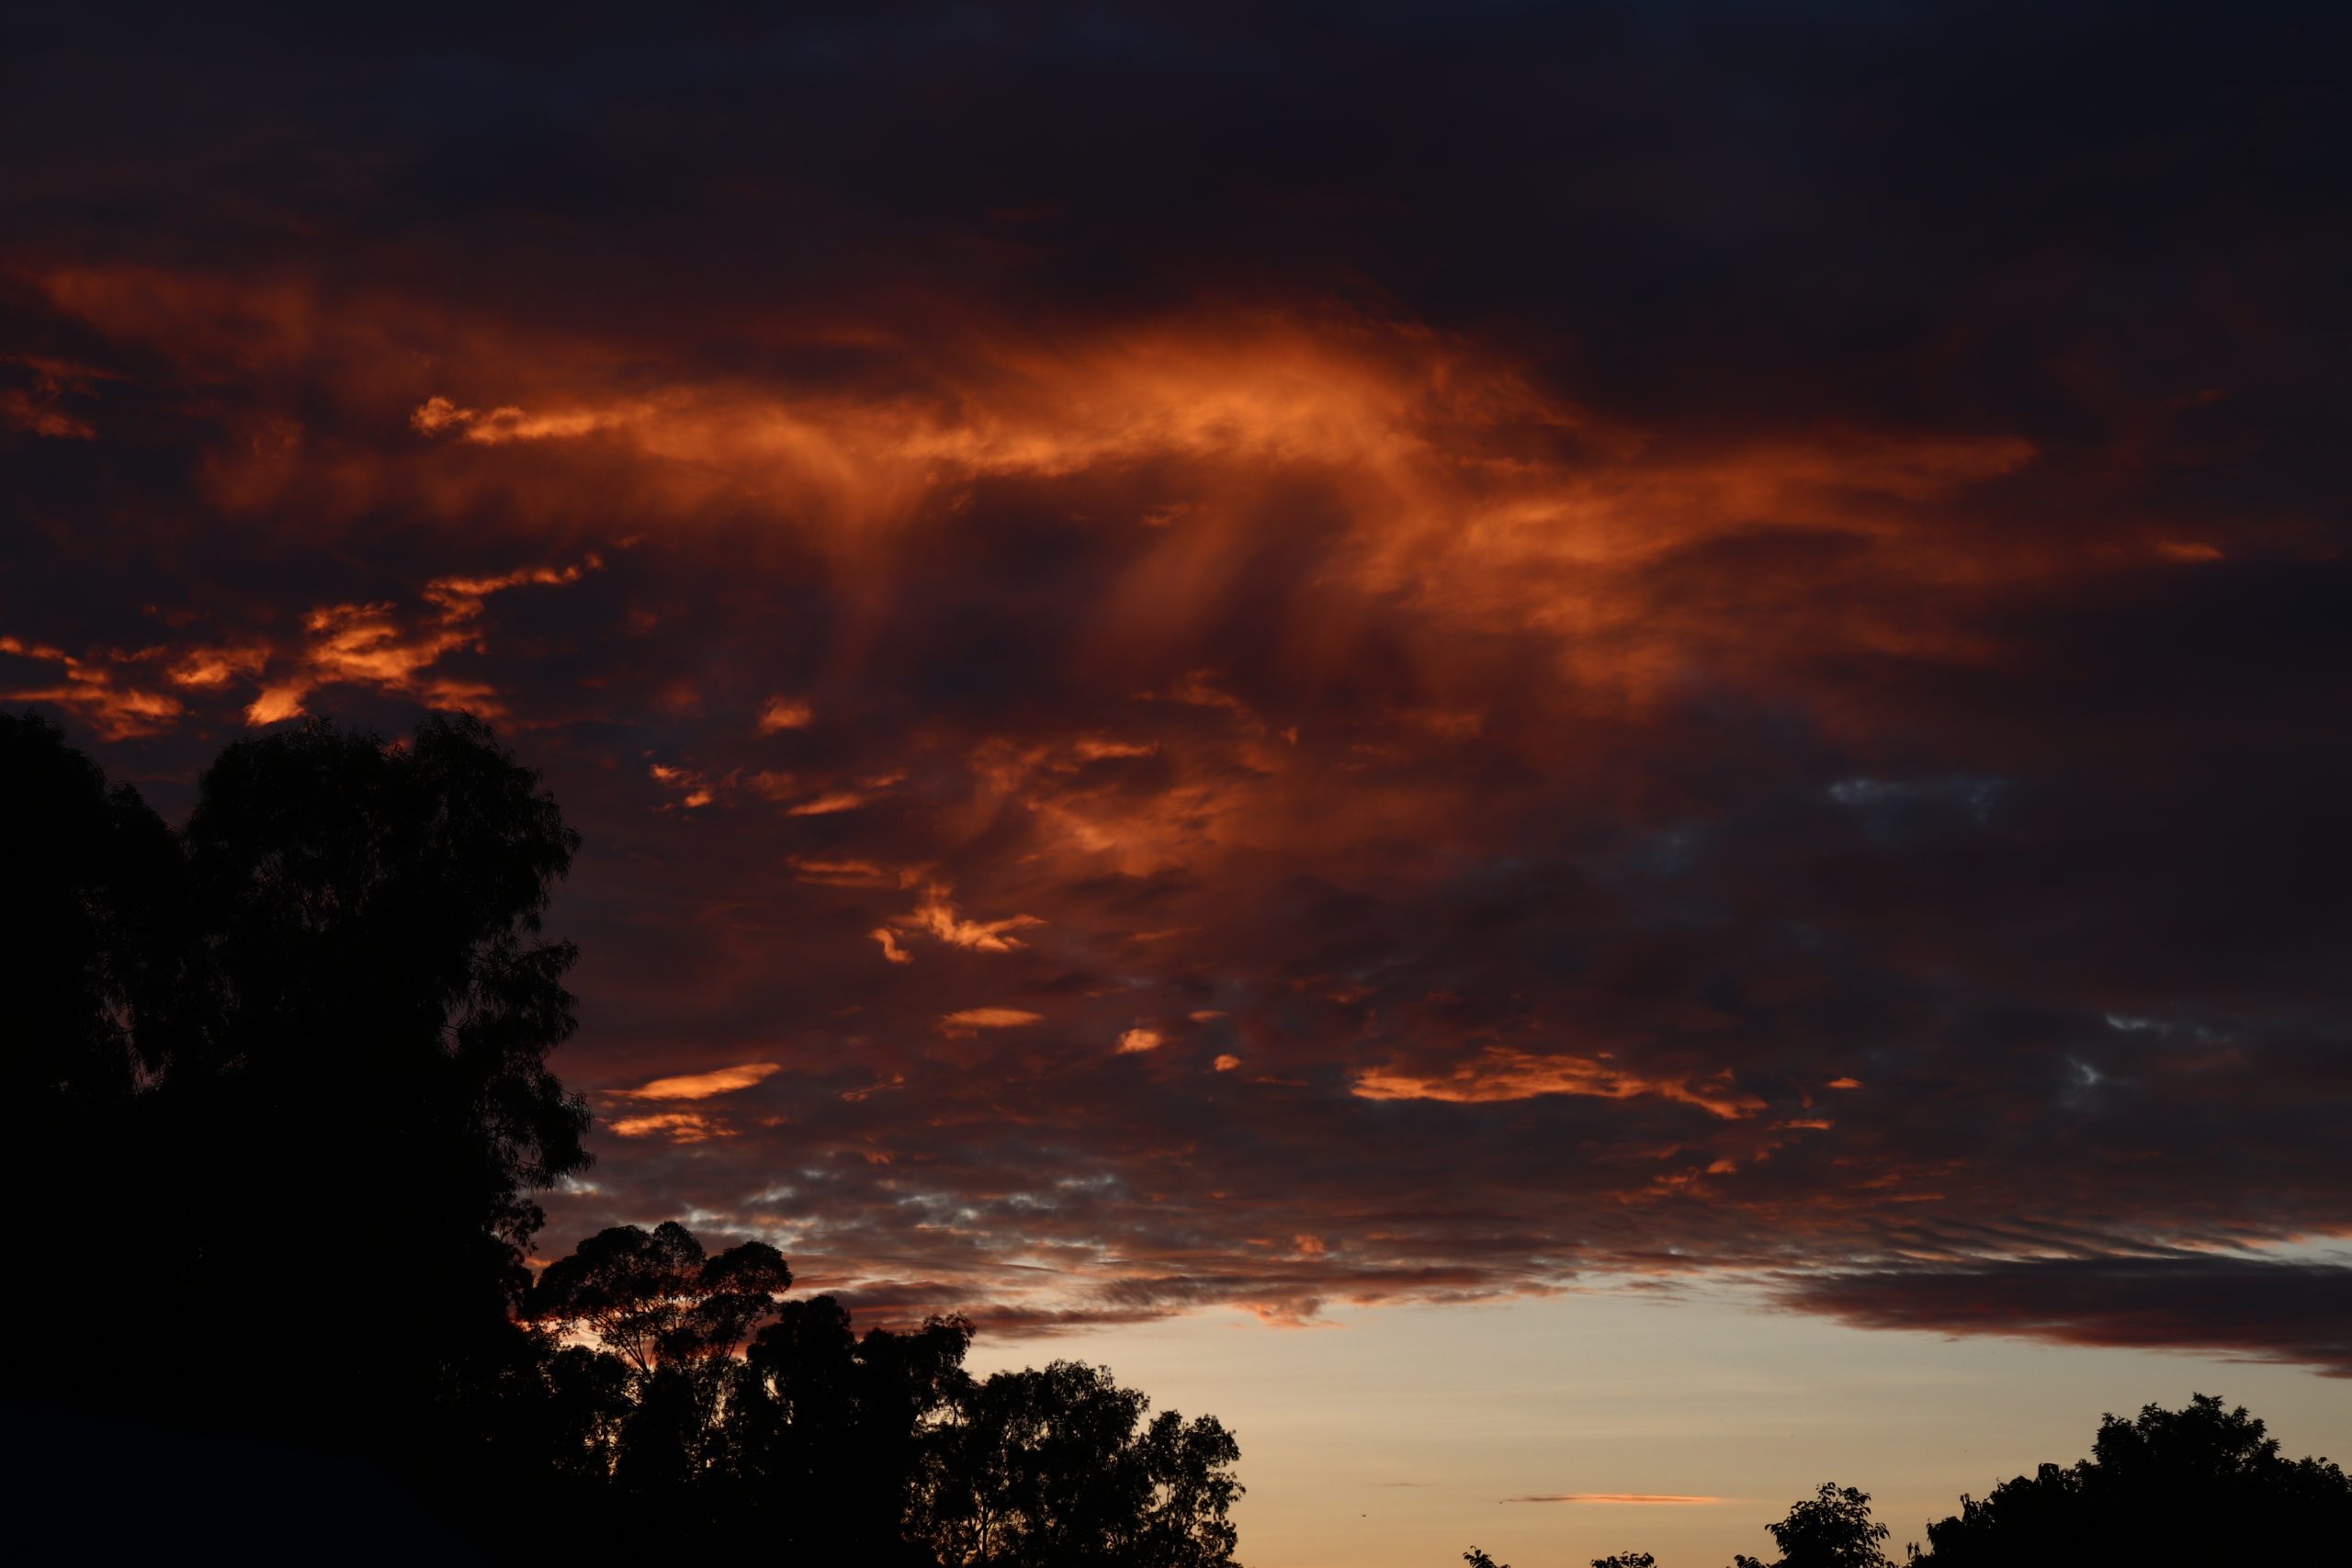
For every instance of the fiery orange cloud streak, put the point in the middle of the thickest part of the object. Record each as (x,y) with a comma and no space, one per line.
(1503,1074)
(677,1126)
(703,1086)
(1635,1499)
(964,1020)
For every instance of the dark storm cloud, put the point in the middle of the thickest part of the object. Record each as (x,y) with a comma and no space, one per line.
(1274,656)
(2261,1310)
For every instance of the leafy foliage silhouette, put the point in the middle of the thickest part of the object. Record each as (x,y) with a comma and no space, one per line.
(1059,1465)
(2200,1483)
(304,1040)
(1832,1529)
(298,1050)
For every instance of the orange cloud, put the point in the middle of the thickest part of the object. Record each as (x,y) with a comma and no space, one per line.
(1462,491)
(213,667)
(830,803)
(692,788)
(677,1126)
(1635,1499)
(461,597)
(704,1085)
(1503,1074)
(97,691)
(374,645)
(21,412)
(936,914)
(969,1019)
(784,713)
(839,873)
(1352,607)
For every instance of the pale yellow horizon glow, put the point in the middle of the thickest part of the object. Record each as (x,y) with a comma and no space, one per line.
(1398,1437)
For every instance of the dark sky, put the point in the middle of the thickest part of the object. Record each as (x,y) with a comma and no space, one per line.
(1283,656)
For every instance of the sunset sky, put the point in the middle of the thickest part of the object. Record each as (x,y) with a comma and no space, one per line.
(1591,759)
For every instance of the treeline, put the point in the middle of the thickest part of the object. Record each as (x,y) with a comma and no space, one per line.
(707,1402)
(281,1099)
(2200,1484)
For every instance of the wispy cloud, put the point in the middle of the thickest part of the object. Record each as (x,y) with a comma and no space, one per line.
(1631,1499)
(704,1085)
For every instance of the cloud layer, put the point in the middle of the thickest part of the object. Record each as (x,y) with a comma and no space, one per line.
(1215,659)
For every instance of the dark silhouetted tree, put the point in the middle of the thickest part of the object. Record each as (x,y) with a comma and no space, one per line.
(95,897)
(2202,1483)
(836,1435)
(819,1445)
(1625,1560)
(301,1048)
(676,1318)
(1057,1468)
(654,1297)
(95,934)
(1832,1529)
(287,1098)
(366,1092)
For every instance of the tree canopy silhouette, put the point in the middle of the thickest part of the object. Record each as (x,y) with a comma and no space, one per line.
(2200,1483)
(304,1040)
(95,893)
(656,1298)
(378,1007)
(1832,1529)
(1060,1465)
(823,1446)
(287,1071)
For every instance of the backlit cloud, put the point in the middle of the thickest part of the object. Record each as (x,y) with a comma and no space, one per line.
(101,691)
(784,713)
(1756,711)
(1498,1074)
(1631,1499)
(676,1126)
(2251,1308)
(703,1086)
(967,1018)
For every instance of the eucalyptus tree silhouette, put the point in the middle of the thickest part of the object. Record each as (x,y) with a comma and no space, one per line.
(837,1434)
(95,936)
(819,1445)
(656,1298)
(676,1317)
(94,888)
(365,1101)
(299,1049)
(1059,1468)
(287,1079)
